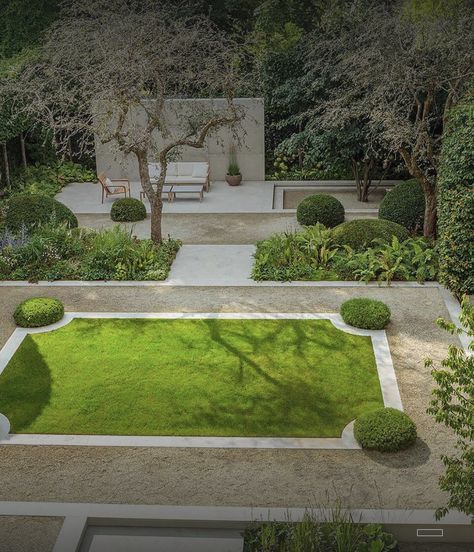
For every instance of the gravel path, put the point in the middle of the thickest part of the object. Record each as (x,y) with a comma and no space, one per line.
(245,477)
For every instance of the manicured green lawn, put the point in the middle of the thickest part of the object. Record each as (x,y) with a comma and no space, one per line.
(190,377)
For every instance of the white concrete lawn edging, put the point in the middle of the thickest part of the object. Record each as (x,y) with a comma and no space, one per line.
(386,373)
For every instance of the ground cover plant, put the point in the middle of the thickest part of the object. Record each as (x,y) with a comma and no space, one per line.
(216,377)
(314,254)
(59,253)
(340,533)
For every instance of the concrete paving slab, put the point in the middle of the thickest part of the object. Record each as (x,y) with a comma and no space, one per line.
(212,265)
(249,197)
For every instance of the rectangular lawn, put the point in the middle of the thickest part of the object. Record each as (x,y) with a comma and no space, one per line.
(202,377)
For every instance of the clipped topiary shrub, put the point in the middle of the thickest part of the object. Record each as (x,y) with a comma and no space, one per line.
(456,200)
(30,210)
(321,208)
(38,311)
(368,314)
(405,205)
(360,233)
(127,209)
(385,430)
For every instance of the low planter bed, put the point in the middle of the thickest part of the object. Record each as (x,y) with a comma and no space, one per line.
(249,375)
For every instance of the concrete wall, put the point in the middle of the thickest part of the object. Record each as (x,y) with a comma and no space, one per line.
(249,143)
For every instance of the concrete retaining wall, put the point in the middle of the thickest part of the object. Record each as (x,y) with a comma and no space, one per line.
(249,143)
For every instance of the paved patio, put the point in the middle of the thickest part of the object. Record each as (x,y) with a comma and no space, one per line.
(249,197)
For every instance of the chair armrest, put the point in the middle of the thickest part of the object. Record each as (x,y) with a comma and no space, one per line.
(120,180)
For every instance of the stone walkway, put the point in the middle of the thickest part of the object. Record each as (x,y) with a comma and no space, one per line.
(212,265)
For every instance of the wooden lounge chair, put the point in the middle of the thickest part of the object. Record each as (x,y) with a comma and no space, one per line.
(110,188)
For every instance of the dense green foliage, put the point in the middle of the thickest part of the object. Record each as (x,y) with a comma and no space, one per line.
(23,22)
(58,253)
(368,314)
(452,405)
(313,254)
(385,430)
(38,311)
(456,201)
(127,209)
(212,377)
(405,205)
(33,210)
(320,208)
(50,179)
(338,534)
(361,233)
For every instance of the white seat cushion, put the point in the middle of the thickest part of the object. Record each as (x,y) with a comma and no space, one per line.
(200,170)
(185,169)
(172,169)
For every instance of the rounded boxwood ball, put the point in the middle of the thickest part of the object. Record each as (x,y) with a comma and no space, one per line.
(127,209)
(385,430)
(321,208)
(39,311)
(30,210)
(368,314)
(405,205)
(360,233)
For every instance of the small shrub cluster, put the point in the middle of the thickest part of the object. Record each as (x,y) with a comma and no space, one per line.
(385,430)
(338,533)
(314,254)
(59,253)
(364,313)
(320,208)
(49,179)
(359,234)
(127,209)
(405,205)
(38,311)
(32,210)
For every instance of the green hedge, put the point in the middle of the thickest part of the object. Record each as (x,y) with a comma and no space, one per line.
(385,430)
(405,205)
(456,201)
(39,311)
(360,233)
(320,208)
(127,209)
(367,314)
(32,210)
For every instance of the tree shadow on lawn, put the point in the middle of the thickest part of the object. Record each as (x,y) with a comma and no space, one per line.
(293,402)
(25,386)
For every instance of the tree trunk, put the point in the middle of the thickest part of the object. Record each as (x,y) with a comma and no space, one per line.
(429,189)
(362,179)
(429,223)
(23,150)
(156,203)
(6,166)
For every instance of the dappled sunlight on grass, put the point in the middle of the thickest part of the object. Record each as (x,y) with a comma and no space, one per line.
(210,377)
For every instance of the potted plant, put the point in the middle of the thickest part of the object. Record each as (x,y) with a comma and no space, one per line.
(233,176)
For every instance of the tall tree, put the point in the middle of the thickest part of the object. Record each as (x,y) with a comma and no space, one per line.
(106,64)
(401,74)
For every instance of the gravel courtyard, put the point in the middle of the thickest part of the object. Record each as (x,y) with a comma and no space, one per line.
(245,477)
